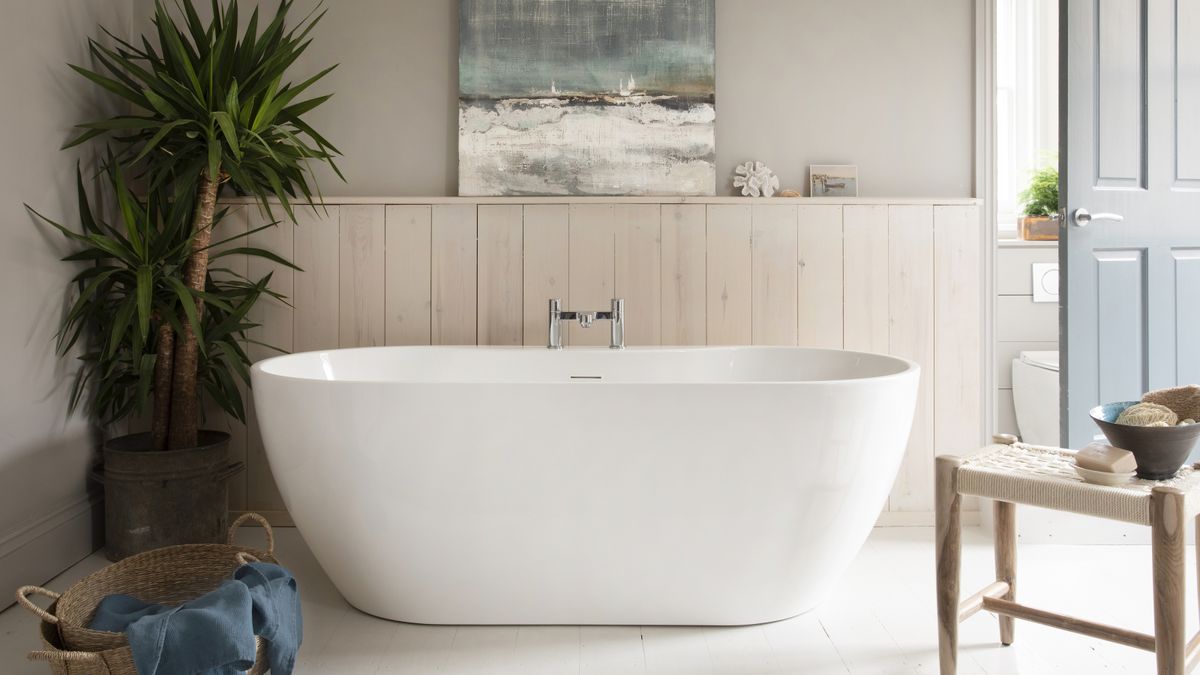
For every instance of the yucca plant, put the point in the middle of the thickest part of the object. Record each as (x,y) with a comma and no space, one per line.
(210,107)
(132,288)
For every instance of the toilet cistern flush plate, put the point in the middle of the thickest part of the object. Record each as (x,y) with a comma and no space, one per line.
(1045,282)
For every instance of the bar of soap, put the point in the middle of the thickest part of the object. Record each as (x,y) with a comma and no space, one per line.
(1104,457)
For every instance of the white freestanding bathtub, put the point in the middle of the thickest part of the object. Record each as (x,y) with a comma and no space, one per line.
(475,485)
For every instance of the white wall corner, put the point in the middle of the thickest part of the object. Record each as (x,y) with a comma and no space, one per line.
(41,550)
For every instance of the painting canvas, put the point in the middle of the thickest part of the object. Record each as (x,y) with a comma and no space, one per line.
(833,180)
(586,97)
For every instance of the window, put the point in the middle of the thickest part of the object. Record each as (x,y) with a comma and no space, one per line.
(1026,100)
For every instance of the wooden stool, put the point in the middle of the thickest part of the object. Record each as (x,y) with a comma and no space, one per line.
(1013,473)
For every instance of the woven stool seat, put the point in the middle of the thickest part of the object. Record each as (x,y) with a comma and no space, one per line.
(1041,476)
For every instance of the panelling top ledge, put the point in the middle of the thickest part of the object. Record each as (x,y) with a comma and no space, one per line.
(748,201)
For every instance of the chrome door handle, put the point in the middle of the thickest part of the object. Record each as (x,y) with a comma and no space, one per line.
(1082,217)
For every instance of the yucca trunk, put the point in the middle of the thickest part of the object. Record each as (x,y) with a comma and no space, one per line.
(165,358)
(185,403)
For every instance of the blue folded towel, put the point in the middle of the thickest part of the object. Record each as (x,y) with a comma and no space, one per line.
(213,634)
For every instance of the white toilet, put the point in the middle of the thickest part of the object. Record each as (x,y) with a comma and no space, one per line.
(1035,397)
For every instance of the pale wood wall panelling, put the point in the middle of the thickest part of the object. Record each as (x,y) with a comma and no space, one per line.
(361,285)
(774,261)
(547,259)
(684,283)
(277,327)
(958,336)
(866,278)
(316,295)
(408,237)
(593,260)
(911,322)
(454,271)
(638,250)
(729,278)
(901,278)
(819,296)
(501,277)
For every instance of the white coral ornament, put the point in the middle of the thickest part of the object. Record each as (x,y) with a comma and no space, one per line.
(755,180)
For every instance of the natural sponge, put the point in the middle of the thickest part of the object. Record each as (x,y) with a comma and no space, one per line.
(1148,415)
(1183,401)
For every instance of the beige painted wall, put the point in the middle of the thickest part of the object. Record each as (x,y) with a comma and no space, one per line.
(43,455)
(885,85)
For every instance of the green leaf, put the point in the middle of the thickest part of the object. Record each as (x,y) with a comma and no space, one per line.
(230,132)
(256,253)
(160,104)
(145,295)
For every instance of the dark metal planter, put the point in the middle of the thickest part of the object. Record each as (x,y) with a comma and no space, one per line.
(156,499)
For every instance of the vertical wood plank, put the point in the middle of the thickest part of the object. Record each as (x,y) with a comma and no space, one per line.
(819,292)
(592,268)
(911,318)
(236,222)
(773,264)
(866,278)
(361,273)
(729,274)
(639,270)
(547,255)
(454,269)
(684,242)
(316,291)
(408,232)
(501,318)
(276,328)
(958,336)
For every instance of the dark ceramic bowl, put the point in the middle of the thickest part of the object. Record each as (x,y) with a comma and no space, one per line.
(1159,451)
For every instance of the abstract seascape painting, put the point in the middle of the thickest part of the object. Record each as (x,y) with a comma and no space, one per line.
(586,97)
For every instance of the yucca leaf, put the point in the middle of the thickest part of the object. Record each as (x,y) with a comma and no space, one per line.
(145,293)
(229,131)
(255,253)
(108,83)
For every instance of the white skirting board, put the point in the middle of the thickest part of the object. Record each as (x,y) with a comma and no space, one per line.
(37,552)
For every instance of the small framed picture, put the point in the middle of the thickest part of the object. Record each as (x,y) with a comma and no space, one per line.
(833,180)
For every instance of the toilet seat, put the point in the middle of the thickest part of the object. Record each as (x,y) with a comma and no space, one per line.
(1044,360)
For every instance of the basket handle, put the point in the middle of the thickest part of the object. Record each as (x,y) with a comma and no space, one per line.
(262,522)
(23,600)
(67,657)
(244,558)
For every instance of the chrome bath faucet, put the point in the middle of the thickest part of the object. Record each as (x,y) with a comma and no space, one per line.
(616,316)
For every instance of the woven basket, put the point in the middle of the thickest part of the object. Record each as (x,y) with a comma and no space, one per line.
(168,576)
(108,662)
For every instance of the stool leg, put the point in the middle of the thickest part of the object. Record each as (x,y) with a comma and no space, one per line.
(948,533)
(1167,546)
(1006,560)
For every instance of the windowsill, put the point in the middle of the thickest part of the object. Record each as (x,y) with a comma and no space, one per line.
(1012,242)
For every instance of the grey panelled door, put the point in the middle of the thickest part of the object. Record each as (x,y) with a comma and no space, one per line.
(1131,149)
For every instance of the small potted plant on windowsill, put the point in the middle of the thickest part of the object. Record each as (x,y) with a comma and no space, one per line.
(210,108)
(1040,203)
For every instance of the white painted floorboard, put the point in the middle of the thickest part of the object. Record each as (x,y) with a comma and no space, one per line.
(879,620)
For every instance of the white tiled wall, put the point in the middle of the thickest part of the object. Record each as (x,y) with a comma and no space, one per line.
(1021,324)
